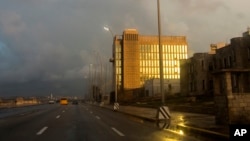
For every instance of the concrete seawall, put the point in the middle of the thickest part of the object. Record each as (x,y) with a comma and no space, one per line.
(18,102)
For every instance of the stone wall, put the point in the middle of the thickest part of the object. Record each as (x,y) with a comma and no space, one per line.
(19,101)
(233,109)
(239,108)
(221,106)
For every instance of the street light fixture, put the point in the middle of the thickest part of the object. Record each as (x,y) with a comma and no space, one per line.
(108,29)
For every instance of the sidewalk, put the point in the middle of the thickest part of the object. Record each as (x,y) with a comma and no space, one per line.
(199,124)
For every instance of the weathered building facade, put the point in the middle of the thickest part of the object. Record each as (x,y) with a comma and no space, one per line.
(227,77)
(196,78)
(231,81)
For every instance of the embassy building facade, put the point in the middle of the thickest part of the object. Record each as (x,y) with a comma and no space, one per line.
(136,61)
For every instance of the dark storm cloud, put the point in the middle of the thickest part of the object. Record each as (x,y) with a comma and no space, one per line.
(55,41)
(46,43)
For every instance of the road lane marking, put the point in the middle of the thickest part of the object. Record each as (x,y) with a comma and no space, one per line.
(117,131)
(58,116)
(42,130)
(97,117)
(63,111)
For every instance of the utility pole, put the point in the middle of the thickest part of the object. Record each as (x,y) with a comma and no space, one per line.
(160,54)
(116,78)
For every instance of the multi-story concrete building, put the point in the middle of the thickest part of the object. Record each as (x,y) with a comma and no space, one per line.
(196,76)
(231,81)
(137,60)
(196,72)
(229,68)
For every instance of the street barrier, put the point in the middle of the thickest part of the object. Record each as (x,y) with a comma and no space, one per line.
(116,106)
(163,117)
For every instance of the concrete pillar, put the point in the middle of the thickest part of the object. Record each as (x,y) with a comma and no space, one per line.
(222,87)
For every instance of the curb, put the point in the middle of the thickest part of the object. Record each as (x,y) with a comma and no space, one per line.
(204,132)
(188,129)
(142,117)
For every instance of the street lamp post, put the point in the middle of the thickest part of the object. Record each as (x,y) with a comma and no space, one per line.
(91,91)
(160,53)
(114,61)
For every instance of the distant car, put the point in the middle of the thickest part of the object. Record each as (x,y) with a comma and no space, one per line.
(75,102)
(51,102)
(64,101)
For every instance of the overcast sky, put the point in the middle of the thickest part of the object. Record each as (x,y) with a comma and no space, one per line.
(47,46)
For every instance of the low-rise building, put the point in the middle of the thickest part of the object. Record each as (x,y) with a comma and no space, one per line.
(224,73)
(231,81)
(196,77)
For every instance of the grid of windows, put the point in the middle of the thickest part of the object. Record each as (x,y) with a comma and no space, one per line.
(174,48)
(130,56)
(118,63)
(149,60)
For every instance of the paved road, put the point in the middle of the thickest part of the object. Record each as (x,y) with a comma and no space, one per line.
(80,123)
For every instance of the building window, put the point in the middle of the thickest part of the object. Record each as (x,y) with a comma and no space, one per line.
(191,68)
(235,82)
(221,62)
(203,85)
(234,56)
(230,62)
(248,53)
(202,64)
(210,67)
(225,63)
(211,84)
(191,86)
(214,63)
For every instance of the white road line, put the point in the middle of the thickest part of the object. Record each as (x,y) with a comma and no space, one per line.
(97,117)
(117,131)
(58,116)
(63,111)
(42,130)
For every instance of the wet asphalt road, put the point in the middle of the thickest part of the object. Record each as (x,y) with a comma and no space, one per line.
(81,122)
